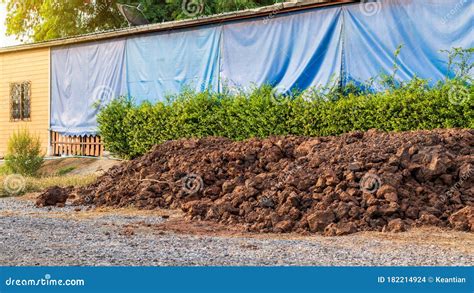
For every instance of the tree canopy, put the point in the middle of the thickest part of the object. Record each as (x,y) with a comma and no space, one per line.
(40,20)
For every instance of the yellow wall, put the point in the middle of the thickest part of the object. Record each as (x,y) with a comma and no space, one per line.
(33,66)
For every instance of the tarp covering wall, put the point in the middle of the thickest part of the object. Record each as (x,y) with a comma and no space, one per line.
(373,31)
(296,50)
(165,63)
(83,78)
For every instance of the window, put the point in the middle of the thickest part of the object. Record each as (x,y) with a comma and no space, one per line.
(20,101)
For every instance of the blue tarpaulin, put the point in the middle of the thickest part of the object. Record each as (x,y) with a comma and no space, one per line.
(296,50)
(300,50)
(165,63)
(373,31)
(84,78)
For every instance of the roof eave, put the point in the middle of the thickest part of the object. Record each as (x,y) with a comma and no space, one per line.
(276,9)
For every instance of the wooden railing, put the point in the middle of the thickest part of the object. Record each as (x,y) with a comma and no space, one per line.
(90,146)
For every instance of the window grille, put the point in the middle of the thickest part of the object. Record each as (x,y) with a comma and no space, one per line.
(20,101)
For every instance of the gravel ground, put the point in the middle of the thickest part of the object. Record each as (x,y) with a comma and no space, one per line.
(34,237)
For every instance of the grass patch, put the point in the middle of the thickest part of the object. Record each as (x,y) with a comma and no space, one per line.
(65,171)
(16,185)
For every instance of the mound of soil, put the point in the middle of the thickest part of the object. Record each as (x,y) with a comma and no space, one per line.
(330,185)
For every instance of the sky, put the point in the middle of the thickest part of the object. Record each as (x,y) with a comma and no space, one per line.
(4,40)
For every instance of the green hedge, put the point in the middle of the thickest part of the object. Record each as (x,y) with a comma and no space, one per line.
(131,130)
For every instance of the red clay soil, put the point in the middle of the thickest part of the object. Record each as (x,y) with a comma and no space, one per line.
(359,181)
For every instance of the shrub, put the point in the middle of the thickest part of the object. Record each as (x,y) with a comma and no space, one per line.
(113,128)
(412,106)
(24,153)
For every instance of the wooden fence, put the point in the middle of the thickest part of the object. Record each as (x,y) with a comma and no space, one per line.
(90,146)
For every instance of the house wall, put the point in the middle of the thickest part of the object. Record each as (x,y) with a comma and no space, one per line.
(34,66)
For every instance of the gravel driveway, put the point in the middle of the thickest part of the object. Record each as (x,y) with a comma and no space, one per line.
(51,237)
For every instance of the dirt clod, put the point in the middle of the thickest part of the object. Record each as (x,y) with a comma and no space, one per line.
(463,219)
(54,196)
(396,226)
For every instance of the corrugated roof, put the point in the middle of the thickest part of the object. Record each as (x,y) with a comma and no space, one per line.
(275,9)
